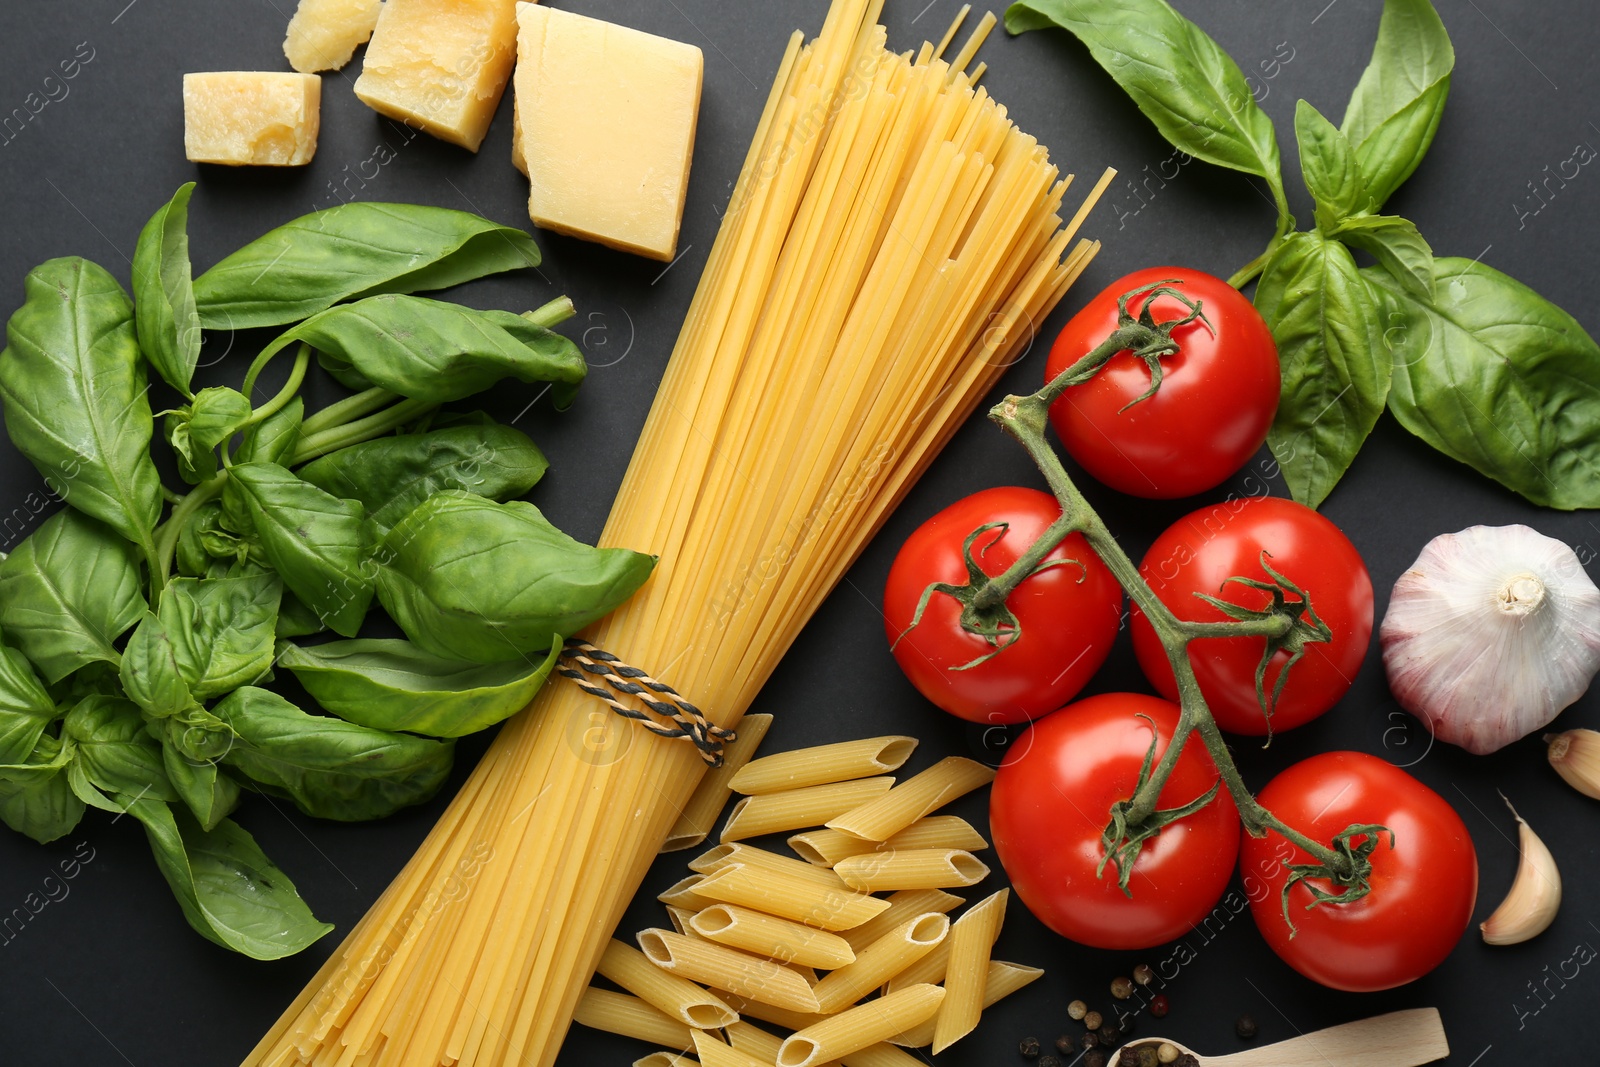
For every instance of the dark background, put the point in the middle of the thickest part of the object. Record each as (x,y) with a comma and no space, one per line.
(111,974)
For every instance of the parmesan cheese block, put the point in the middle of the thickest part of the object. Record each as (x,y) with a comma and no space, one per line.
(606,119)
(441,65)
(324,34)
(242,117)
(516,133)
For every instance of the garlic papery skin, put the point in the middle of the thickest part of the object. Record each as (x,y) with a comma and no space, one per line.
(1575,754)
(1490,633)
(1535,897)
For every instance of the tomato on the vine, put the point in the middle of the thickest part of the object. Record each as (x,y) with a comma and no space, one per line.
(1067,614)
(1216,400)
(1051,801)
(1200,552)
(1422,888)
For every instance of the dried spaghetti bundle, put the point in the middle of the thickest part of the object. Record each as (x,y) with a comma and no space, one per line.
(891,242)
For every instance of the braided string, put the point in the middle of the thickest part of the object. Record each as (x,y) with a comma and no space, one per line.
(580,660)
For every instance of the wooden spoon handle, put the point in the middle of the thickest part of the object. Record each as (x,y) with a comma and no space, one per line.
(1399,1039)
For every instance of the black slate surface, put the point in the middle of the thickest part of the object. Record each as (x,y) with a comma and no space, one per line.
(108,973)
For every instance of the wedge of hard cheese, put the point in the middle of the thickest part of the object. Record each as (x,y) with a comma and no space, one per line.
(260,118)
(441,65)
(606,120)
(324,34)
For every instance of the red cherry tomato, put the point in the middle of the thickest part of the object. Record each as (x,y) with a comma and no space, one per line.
(1423,889)
(1069,614)
(1050,803)
(1199,552)
(1217,398)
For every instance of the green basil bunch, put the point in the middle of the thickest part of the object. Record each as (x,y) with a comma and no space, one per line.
(1471,361)
(139,625)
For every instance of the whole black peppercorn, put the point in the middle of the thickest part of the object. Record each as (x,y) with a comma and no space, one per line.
(1159,1006)
(1110,1036)
(1147,1057)
(1143,974)
(1246,1027)
(1049,1061)
(1029,1047)
(1089,1041)
(1186,1060)
(1094,1058)
(1065,1045)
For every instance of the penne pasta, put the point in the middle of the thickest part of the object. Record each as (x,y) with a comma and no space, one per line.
(768,1013)
(699,815)
(717,1053)
(679,998)
(919,795)
(827,847)
(682,895)
(713,860)
(903,905)
(971,940)
(881,1055)
(823,764)
(764,889)
(618,1013)
(664,1059)
(768,935)
(1003,980)
(752,1039)
(794,809)
(681,919)
(930,969)
(861,1026)
(724,968)
(917,868)
(879,961)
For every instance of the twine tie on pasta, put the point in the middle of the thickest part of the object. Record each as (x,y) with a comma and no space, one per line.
(579,658)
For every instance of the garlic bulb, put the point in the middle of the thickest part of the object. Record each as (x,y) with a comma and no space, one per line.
(1490,633)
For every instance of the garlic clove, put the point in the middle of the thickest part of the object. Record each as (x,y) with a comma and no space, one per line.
(1490,633)
(1575,754)
(1535,897)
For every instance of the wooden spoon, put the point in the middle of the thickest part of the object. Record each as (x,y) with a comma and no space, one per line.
(1399,1039)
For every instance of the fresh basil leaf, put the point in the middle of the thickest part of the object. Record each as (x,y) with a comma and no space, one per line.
(1329,167)
(209,794)
(229,891)
(117,753)
(36,798)
(1395,109)
(195,464)
(216,415)
(1494,375)
(68,592)
(350,251)
(194,733)
(205,549)
(1397,246)
(295,619)
(150,674)
(74,387)
(222,629)
(330,768)
(25,707)
(319,544)
(393,685)
(392,475)
(168,324)
(1335,368)
(274,438)
(468,579)
(432,350)
(1177,75)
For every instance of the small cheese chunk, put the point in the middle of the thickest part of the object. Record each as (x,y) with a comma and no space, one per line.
(324,34)
(441,65)
(516,133)
(607,118)
(242,117)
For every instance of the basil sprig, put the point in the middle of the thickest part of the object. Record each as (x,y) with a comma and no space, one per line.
(1473,362)
(143,622)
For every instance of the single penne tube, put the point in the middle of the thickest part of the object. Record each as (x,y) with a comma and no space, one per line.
(912,868)
(678,997)
(699,816)
(882,1054)
(824,848)
(763,889)
(724,968)
(770,1013)
(881,960)
(681,894)
(747,1037)
(714,1052)
(929,970)
(664,1059)
(823,764)
(919,795)
(795,809)
(866,1024)
(768,935)
(903,905)
(619,1013)
(1003,980)
(681,919)
(713,860)
(967,975)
